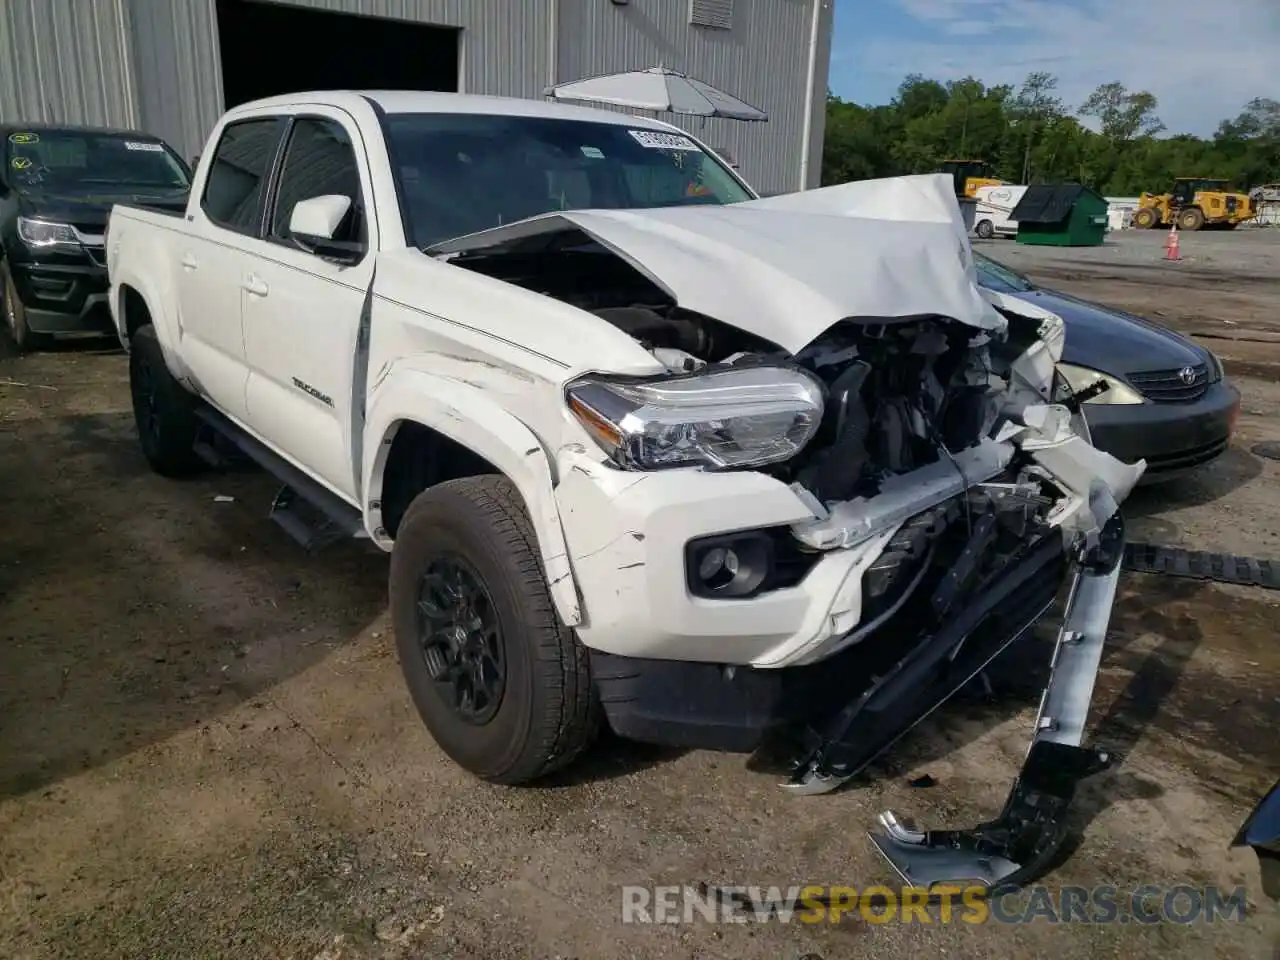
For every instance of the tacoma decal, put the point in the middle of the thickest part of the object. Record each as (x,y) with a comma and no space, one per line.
(308,388)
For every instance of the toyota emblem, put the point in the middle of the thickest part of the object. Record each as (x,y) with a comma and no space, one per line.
(1187,375)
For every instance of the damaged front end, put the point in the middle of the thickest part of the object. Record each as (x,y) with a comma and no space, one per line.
(943,450)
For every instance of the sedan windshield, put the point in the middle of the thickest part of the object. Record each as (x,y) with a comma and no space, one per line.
(463,173)
(998,277)
(87,161)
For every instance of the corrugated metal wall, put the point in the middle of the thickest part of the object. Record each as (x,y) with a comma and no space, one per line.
(505,47)
(155,63)
(178,76)
(762,59)
(65,61)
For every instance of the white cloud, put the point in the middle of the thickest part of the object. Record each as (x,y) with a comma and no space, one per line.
(1204,59)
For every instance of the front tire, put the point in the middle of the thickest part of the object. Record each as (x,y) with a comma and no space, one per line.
(503,686)
(985,230)
(163,409)
(1144,219)
(15,315)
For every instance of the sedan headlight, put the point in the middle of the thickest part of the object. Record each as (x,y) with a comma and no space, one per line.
(1216,372)
(1081,378)
(743,417)
(40,233)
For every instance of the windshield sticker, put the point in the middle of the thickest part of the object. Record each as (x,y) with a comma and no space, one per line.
(656,140)
(20,163)
(138,145)
(24,138)
(595,153)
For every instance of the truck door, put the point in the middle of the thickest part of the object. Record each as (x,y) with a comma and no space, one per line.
(302,309)
(212,258)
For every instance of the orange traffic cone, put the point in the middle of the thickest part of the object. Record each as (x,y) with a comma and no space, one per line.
(1171,249)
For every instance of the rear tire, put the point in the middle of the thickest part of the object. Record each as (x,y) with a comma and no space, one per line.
(163,409)
(1192,219)
(15,315)
(504,688)
(984,230)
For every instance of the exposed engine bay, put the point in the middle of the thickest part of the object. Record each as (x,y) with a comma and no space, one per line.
(899,395)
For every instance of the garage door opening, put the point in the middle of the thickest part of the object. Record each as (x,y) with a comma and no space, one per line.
(271,48)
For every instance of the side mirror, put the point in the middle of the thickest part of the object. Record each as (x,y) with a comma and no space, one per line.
(195,163)
(313,223)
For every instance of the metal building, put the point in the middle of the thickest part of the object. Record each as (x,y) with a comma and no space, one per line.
(171,67)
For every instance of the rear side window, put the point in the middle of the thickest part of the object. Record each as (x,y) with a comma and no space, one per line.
(318,161)
(238,174)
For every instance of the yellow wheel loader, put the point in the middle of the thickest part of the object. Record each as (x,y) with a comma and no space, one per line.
(969,175)
(1194,203)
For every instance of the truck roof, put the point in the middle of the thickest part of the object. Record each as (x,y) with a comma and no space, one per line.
(421,101)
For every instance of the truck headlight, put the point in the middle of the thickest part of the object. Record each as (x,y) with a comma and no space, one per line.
(41,233)
(726,418)
(1118,393)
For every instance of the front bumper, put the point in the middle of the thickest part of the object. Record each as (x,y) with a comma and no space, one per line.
(626,535)
(708,706)
(63,296)
(1172,437)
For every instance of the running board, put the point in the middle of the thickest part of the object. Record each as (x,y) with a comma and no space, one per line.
(1023,841)
(308,512)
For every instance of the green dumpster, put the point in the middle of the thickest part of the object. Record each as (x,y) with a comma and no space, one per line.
(1061,215)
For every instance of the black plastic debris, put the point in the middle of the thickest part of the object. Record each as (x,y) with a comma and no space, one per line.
(1202,565)
(1268,449)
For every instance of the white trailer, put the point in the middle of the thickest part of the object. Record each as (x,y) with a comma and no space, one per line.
(992,218)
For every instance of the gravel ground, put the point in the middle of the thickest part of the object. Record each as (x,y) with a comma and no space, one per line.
(206,749)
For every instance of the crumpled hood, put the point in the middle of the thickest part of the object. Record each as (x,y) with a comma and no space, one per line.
(788,268)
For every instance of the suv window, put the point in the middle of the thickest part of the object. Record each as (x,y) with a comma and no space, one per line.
(238,174)
(319,160)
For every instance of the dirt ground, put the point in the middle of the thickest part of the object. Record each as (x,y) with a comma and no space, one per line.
(206,749)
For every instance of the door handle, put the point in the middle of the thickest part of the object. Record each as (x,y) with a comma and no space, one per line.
(255,286)
(189,261)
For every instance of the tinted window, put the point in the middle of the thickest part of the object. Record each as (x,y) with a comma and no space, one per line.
(460,173)
(319,160)
(88,161)
(238,174)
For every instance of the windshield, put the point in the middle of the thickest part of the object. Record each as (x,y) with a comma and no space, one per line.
(462,173)
(998,277)
(84,161)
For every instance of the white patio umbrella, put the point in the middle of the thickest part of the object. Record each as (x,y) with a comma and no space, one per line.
(660,90)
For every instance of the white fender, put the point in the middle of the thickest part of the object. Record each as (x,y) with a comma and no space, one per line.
(166,326)
(468,416)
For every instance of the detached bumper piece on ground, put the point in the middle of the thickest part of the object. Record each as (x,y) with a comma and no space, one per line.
(1020,844)
(1262,832)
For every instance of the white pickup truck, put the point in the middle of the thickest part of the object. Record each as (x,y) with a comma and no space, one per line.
(642,445)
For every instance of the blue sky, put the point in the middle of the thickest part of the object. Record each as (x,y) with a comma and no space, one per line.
(1083,42)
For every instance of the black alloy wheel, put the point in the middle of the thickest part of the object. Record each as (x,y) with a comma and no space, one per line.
(461,640)
(146,406)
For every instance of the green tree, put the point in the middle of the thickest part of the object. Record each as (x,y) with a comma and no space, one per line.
(1034,108)
(1031,137)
